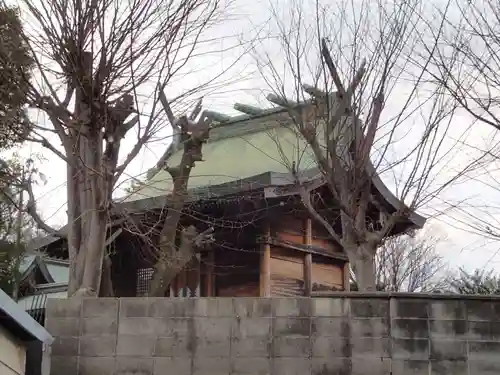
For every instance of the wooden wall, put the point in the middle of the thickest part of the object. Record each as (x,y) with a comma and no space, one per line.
(272,270)
(289,269)
(292,229)
(244,290)
(287,273)
(327,276)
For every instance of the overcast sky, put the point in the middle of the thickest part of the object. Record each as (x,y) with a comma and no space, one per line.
(243,84)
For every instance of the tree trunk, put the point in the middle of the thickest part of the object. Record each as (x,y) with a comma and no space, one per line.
(363,262)
(88,218)
(171,265)
(106,287)
(170,259)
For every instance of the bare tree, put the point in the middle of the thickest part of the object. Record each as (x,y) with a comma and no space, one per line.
(101,68)
(467,66)
(354,82)
(409,264)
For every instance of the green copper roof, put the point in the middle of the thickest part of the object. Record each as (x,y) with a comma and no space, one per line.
(59,272)
(235,151)
(26,263)
(56,270)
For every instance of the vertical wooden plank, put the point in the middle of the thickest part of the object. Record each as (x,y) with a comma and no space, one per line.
(308,259)
(209,275)
(347,277)
(265,264)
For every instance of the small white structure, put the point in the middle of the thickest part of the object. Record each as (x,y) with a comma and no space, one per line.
(24,344)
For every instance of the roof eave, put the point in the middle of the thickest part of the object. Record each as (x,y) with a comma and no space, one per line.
(23,319)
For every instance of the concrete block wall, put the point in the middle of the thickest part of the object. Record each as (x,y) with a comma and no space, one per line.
(355,334)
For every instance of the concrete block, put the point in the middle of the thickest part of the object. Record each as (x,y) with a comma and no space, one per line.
(65,346)
(447,329)
(210,348)
(298,307)
(495,306)
(330,307)
(142,326)
(251,347)
(410,328)
(330,347)
(369,327)
(448,350)
(213,307)
(172,307)
(327,366)
(291,326)
(102,307)
(246,307)
(369,308)
(372,366)
(213,327)
(484,350)
(489,367)
(177,327)
(180,347)
(454,367)
(250,366)
(134,345)
(63,308)
(211,366)
(174,366)
(134,366)
(409,308)
(135,307)
(99,325)
(97,346)
(291,366)
(63,326)
(484,331)
(252,327)
(450,309)
(294,347)
(62,365)
(410,367)
(96,366)
(366,347)
(330,327)
(417,349)
(479,310)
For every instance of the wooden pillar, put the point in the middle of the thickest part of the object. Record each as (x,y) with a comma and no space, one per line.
(347,277)
(265,264)
(308,259)
(209,277)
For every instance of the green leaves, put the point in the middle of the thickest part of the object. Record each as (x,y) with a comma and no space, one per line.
(479,282)
(15,67)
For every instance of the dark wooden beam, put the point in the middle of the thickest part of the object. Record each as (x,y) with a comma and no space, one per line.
(303,248)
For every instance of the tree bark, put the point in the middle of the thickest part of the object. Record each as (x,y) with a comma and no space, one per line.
(106,287)
(363,261)
(171,260)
